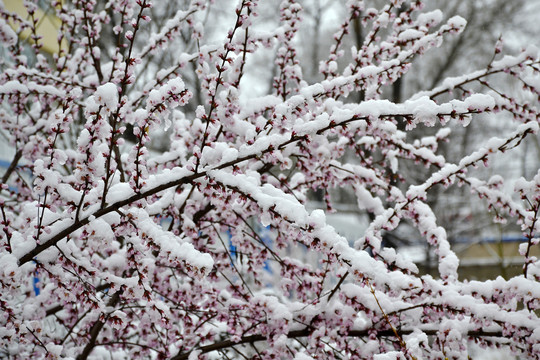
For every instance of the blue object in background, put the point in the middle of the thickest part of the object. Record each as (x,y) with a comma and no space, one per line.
(264,234)
(35,281)
(232,248)
(4,163)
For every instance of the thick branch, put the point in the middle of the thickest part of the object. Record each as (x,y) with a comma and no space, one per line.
(96,329)
(179,182)
(12,166)
(221,345)
(118,205)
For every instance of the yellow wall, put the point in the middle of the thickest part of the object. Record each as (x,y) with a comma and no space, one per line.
(48,25)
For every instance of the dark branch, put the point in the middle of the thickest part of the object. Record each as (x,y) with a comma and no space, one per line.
(12,166)
(221,345)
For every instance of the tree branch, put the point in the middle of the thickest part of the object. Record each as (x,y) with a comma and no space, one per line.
(221,345)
